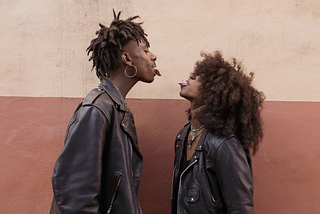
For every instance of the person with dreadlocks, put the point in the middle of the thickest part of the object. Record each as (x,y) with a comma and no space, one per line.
(99,168)
(212,165)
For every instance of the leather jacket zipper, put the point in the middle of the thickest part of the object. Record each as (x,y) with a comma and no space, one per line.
(172,184)
(179,191)
(114,195)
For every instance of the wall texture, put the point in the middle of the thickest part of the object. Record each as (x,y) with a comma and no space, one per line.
(45,73)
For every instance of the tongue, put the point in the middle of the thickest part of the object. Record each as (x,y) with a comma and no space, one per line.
(156,70)
(183,83)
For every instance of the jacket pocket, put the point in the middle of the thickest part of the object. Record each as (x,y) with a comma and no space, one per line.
(192,195)
(115,183)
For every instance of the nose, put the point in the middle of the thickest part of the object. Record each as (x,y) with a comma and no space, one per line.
(153,57)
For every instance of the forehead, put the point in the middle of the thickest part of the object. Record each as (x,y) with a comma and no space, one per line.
(143,43)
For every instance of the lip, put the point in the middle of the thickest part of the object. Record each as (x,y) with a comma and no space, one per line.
(183,83)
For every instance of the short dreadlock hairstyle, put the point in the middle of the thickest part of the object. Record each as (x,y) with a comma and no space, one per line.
(230,104)
(107,47)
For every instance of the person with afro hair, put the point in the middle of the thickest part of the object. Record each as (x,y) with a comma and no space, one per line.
(99,168)
(212,165)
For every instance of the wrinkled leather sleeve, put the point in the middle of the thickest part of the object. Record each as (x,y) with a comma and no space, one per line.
(77,173)
(234,177)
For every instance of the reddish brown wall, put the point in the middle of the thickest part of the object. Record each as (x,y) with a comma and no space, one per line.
(286,168)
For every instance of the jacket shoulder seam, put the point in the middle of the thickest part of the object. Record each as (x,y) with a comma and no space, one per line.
(104,106)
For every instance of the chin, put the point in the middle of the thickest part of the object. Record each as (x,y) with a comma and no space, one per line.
(185,96)
(148,80)
(182,95)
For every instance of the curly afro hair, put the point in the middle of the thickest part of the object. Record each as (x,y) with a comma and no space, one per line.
(229,103)
(106,48)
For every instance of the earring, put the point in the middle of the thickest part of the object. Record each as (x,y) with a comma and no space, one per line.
(125,72)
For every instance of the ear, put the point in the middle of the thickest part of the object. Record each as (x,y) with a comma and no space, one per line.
(126,59)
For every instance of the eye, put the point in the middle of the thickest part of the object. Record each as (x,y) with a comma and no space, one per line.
(146,51)
(192,76)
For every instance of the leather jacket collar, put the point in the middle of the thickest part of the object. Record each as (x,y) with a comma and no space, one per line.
(184,133)
(114,94)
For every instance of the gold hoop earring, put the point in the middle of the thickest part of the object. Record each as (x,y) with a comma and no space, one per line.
(125,72)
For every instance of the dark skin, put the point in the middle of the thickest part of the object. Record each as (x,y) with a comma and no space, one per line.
(190,91)
(139,56)
(195,123)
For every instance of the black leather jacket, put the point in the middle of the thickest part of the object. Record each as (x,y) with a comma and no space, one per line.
(99,168)
(218,178)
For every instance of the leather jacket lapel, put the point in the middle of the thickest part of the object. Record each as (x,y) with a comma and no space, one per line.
(127,122)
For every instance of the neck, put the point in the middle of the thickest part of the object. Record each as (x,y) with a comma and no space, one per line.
(122,82)
(195,123)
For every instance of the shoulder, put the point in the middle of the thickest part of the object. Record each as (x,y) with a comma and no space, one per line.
(226,151)
(231,144)
(221,144)
(212,141)
(99,99)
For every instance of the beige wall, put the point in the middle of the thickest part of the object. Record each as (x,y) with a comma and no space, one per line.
(43,43)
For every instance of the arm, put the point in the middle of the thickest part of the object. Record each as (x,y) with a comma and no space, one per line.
(77,173)
(234,177)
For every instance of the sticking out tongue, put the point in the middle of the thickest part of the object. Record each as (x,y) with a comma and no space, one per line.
(156,70)
(183,83)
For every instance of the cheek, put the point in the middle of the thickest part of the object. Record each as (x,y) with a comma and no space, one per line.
(194,92)
(143,61)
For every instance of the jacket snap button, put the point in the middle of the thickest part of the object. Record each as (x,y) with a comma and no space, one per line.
(178,136)
(192,199)
(195,156)
(177,146)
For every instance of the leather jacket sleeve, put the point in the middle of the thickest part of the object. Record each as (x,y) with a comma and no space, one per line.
(77,173)
(234,175)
